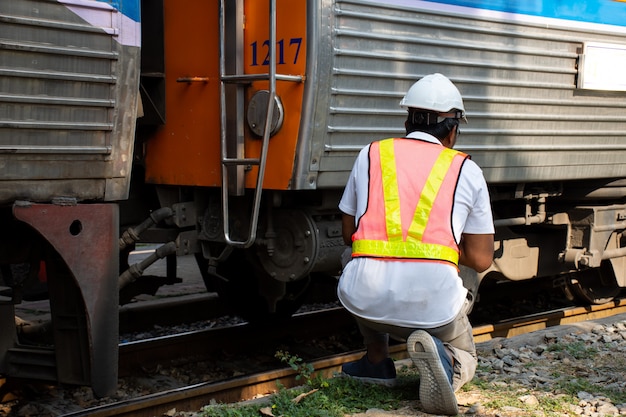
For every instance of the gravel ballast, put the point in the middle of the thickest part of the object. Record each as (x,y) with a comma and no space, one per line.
(536,374)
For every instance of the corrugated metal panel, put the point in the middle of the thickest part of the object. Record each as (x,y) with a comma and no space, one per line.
(56,90)
(68,99)
(528,121)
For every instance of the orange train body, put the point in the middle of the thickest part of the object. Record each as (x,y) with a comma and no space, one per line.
(186,149)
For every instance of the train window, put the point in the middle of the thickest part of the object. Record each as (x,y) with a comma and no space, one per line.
(601,67)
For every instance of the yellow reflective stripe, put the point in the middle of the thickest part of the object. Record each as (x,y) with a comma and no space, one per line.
(410,250)
(429,193)
(391,195)
(395,246)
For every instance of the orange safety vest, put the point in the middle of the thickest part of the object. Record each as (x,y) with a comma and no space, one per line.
(409,208)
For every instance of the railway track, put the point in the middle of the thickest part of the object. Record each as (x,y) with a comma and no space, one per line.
(234,338)
(250,386)
(543,320)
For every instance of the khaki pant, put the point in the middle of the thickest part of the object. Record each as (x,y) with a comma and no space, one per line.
(456,335)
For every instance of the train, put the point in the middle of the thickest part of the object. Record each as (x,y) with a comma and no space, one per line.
(226,130)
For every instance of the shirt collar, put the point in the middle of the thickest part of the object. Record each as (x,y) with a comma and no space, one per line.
(423,136)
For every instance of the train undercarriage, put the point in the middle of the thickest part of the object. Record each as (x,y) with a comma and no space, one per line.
(579,247)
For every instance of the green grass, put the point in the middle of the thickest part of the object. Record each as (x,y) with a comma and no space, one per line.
(575,385)
(333,397)
(323,397)
(511,396)
(338,397)
(578,350)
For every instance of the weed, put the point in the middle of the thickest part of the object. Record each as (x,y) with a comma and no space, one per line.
(578,350)
(558,405)
(304,370)
(575,385)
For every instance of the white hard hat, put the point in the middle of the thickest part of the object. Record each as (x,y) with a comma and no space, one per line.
(435,92)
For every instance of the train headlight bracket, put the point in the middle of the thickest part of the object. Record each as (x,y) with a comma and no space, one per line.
(257,113)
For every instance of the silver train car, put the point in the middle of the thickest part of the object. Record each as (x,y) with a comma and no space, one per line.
(69,77)
(228,131)
(546,106)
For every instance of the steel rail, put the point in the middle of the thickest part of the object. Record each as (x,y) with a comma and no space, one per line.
(540,321)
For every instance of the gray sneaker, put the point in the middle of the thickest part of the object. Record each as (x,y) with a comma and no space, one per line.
(383,373)
(435,390)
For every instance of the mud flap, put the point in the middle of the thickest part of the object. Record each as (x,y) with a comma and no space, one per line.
(83,283)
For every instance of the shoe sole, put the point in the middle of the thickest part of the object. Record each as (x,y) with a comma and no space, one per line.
(435,392)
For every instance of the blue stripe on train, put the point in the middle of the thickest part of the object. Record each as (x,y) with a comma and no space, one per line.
(610,12)
(129,8)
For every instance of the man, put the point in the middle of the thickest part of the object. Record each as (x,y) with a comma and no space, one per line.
(414,210)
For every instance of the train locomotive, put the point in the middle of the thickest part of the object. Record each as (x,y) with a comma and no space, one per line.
(226,130)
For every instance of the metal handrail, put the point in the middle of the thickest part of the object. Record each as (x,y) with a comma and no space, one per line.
(261,161)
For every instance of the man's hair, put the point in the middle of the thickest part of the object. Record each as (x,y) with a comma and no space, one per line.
(419,121)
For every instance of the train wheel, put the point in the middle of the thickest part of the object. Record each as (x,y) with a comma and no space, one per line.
(253,294)
(595,285)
